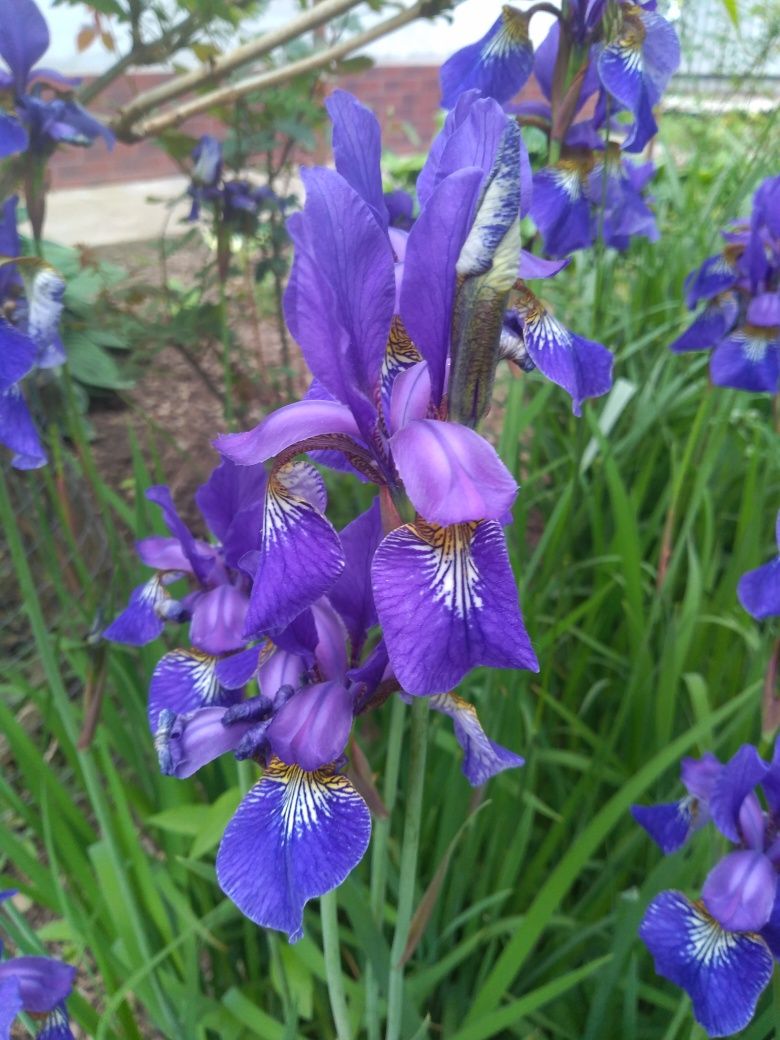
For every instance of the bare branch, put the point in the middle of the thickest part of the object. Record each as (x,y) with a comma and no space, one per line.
(275,77)
(218,68)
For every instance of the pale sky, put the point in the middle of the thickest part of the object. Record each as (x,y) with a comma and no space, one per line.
(420,42)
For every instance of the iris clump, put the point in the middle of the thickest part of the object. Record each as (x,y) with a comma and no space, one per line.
(601,71)
(721,948)
(740,290)
(29,338)
(297,628)
(39,987)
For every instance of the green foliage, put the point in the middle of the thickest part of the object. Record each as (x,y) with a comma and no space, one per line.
(631,529)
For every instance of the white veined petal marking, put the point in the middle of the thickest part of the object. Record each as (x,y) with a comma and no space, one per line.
(307,796)
(753,347)
(203,674)
(283,510)
(512,34)
(706,941)
(448,567)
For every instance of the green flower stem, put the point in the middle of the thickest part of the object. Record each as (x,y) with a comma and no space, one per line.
(379,854)
(227,363)
(411,842)
(330,947)
(776,1002)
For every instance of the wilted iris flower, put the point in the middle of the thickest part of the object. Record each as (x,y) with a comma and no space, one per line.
(759,589)
(39,987)
(740,288)
(29,338)
(721,948)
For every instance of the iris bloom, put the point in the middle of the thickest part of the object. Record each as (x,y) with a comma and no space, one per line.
(498,65)
(38,986)
(29,339)
(740,320)
(721,948)
(37,123)
(759,590)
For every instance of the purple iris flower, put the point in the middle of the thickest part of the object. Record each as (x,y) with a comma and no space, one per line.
(636,66)
(759,589)
(216,608)
(206,173)
(498,65)
(380,401)
(41,123)
(720,949)
(740,289)
(38,986)
(29,339)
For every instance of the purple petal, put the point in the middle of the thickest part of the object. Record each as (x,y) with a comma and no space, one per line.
(56,1025)
(740,891)
(312,728)
(331,649)
(411,395)
(432,251)
(352,594)
(10,1005)
(24,38)
(738,778)
(218,618)
(357,149)
(469,138)
(560,209)
(300,554)
(17,355)
(183,681)
(764,309)
(281,669)
(13,137)
(143,619)
(447,602)
(482,758)
(716,275)
(537,267)
(308,830)
(235,671)
(723,973)
(230,490)
(200,555)
(185,743)
(451,474)
(497,65)
(770,933)
(18,432)
(708,329)
(162,553)
(759,590)
(669,824)
(286,427)
(747,360)
(42,981)
(583,368)
(700,775)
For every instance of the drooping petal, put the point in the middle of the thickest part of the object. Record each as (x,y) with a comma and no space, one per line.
(357,149)
(300,554)
(708,328)
(307,830)
(482,758)
(451,474)
(447,602)
(432,251)
(218,618)
(286,427)
(716,275)
(582,367)
(724,973)
(759,590)
(183,681)
(312,728)
(18,432)
(143,619)
(352,594)
(497,65)
(236,670)
(17,355)
(740,891)
(538,267)
(55,1026)
(560,209)
(738,778)
(749,359)
(43,982)
(668,824)
(24,38)
(187,742)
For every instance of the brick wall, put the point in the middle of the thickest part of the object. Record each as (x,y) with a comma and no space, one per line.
(404,97)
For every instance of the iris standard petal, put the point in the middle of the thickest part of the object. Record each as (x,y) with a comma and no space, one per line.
(482,758)
(739,776)
(357,149)
(497,65)
(200,555)
(183,681)
(352,594)
(447,602)
(43,981)
(230,490)
(162,553)
(24,38)
(300,554)
(724,973)
(699,775)
(740,891)
(312,728)
(307,831)
(451,474)
(218,618)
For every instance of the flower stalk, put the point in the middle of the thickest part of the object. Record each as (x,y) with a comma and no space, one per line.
(330,948)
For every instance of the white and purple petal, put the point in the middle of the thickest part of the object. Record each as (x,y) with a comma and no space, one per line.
(56,1025)
(748,359)
(669,824)
(185,743)
(447,602)
(296,835)
(143,619)
(724,973)
(183,681)
(497,65)
(560,209)
(482,757)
